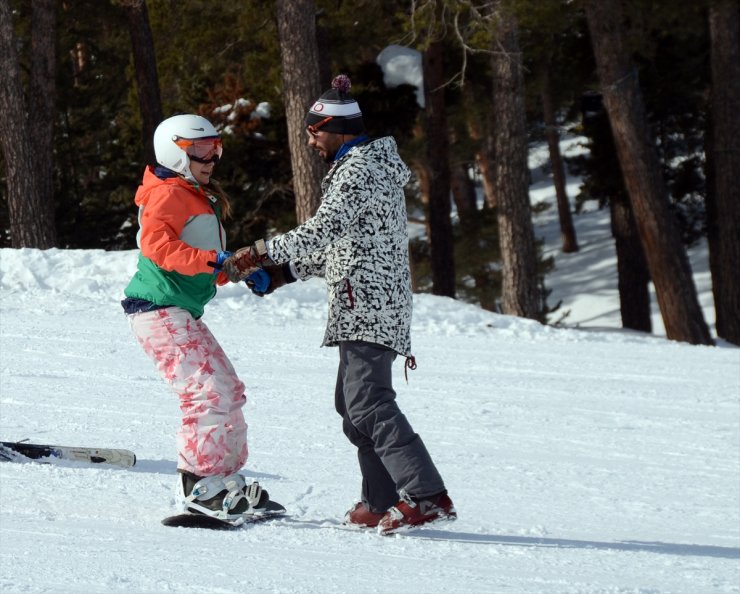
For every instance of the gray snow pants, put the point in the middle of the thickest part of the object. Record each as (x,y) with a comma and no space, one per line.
(392,457)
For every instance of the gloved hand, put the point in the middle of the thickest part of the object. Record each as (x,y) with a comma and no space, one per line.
(259,282)
(264,281)
(221,257)
(245,260)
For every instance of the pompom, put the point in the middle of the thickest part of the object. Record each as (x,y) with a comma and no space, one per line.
(341,83)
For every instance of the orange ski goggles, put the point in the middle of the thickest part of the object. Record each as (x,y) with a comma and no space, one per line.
(201,150)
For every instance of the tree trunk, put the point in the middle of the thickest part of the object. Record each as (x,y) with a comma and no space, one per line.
(27,137)
(463,191)
(666,256)
(724,207)
(520,295)
(567,231)
(633,274)
(147,81)
(437,152)
(483,157)
(471,231)
(419,167)
(296,21)
(632,270)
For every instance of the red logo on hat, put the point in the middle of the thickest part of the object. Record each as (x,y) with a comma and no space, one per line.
(318,107)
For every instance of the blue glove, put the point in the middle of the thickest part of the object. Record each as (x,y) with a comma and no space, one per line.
(220,259)
(258,281)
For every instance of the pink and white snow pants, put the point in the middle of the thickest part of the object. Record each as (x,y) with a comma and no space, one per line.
(213,436)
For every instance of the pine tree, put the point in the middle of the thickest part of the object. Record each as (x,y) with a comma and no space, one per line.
(666,257)
(296,21)
(27,127)
(724,232)
(521,295)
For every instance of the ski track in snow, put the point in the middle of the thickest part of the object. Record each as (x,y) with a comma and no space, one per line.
(579,461)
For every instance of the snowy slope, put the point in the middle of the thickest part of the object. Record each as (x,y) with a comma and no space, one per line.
(580,462)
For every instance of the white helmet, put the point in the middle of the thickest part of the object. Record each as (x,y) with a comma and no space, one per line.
(188,126)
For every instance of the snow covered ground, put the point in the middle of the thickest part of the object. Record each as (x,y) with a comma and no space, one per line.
(579,461)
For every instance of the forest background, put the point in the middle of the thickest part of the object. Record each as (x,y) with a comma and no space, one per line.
(654,87)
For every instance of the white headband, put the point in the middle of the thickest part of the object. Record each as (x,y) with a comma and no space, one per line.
(325,107)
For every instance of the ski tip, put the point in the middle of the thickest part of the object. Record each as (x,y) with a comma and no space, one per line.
(22,451)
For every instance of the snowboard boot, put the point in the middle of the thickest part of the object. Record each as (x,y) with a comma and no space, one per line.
(360,516)
(227,498)
(413,512)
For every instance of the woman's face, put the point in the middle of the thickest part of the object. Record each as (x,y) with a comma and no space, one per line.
(202,172)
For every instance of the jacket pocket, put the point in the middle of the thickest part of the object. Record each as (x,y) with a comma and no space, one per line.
(350,295)
(342,295)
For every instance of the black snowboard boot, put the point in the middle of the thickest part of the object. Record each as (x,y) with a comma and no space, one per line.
(226,498)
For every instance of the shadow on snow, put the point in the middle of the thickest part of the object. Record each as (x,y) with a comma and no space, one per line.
(632,546)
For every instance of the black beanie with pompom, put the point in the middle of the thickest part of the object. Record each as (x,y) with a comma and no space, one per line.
(337,104)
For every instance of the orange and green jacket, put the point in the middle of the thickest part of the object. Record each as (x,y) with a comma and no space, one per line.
(179,233)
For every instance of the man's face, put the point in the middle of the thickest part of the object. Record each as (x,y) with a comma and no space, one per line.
(325,143)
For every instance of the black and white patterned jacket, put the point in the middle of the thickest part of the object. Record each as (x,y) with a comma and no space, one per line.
(358,242)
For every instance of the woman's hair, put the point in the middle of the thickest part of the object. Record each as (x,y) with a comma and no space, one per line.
(223,198)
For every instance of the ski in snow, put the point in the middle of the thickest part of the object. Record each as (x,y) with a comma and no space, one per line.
(20,451)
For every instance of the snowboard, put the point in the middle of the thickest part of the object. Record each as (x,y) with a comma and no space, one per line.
(193,520)
(20,451)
